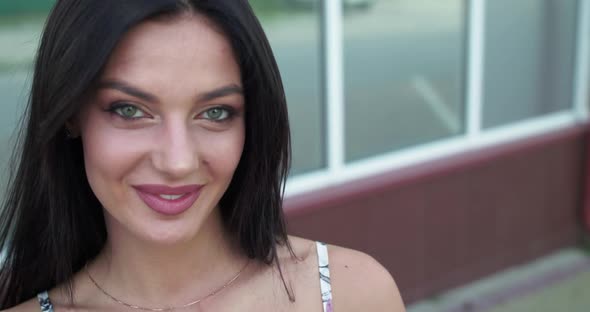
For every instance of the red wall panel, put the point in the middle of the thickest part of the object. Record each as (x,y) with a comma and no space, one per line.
(445,223)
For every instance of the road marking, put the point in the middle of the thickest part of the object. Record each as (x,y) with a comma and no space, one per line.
(436,103)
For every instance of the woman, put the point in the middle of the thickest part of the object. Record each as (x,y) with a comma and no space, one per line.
(151,168)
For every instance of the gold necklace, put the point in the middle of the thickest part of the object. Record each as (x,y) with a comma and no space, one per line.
(136,307)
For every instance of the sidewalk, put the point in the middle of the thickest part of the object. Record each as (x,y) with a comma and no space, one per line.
(569,295)
(558,282)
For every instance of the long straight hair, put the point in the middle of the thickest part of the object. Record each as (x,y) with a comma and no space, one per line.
(51,223)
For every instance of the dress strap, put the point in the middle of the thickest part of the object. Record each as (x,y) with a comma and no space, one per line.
(44,302)
(324,269)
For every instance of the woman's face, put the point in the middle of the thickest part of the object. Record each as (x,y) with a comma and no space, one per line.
(164,132)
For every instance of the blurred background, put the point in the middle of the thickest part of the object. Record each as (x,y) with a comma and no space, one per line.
(444,137)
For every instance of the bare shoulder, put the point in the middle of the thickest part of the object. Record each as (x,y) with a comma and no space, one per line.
(360,283)
(27,306)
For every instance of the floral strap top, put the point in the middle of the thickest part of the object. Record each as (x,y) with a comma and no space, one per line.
(44,302)
(323,268)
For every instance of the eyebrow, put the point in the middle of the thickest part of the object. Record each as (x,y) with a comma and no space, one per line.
(221,92)
(135,92)
(126,88)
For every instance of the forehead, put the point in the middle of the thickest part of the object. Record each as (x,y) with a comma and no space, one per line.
(185,51)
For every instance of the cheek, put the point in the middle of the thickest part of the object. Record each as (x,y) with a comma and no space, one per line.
(222,151)
(108,157)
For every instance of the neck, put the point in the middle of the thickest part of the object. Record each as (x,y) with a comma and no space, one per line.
(156,275)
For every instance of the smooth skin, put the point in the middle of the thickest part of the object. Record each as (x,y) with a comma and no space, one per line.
(170,111)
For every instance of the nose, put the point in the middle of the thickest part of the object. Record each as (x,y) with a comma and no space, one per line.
(175,153)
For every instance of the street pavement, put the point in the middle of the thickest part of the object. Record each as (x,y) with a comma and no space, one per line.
(556,282)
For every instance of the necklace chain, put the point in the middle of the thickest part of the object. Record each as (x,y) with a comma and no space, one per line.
(192,303)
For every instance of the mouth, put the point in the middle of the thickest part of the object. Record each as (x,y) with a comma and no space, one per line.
(166,200)
(170,197)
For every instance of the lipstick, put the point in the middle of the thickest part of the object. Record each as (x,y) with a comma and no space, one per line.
(166,200)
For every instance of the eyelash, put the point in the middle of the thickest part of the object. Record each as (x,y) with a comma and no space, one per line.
(113,109)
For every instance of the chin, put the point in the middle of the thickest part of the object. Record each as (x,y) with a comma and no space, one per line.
(151,230)
(169,234)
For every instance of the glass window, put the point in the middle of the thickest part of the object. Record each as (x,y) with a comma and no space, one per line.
(293,29)
(529,59)
(403,73)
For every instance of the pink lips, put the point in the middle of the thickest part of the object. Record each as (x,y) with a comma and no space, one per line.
(150,194)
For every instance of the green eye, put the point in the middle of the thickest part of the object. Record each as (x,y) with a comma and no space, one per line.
(128,111)
(217,114)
